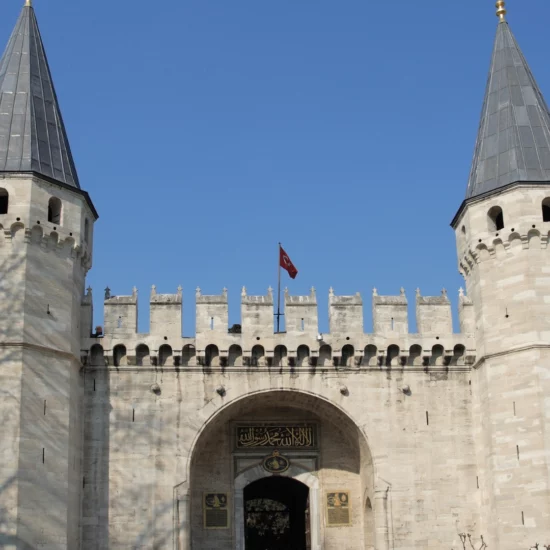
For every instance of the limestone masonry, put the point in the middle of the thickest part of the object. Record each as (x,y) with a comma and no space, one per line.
(244,438)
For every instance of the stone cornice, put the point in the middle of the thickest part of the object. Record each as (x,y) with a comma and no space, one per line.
(282,370)
(479,363)
(41,349)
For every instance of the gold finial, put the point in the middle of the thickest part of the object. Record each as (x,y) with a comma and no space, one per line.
(28,3)
(501,10)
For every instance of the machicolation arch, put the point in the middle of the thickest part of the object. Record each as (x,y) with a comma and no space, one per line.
(119,356)
(280,356)
(212,356)
(325,356)
(438,353)
(371,356)
(188,355)
(258,356)
(348,355)
(143,356)
(303,357)
(165,355)
(415,355)
(235,356)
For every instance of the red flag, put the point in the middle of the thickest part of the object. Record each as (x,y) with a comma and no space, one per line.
(286,263)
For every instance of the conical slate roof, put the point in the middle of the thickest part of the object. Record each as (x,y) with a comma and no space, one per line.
(32,134)
(513,143)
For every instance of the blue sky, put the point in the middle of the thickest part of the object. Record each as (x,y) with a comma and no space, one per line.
(206,131)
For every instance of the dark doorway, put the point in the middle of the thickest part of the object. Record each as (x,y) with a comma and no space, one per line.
(276,514)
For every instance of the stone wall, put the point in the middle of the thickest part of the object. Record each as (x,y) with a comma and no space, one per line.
(155,436)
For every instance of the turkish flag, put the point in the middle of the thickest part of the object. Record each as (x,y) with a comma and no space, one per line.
(286,263)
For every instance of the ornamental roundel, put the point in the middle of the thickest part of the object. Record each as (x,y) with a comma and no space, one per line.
(276,463)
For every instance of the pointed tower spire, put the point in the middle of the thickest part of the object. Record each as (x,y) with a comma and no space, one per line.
(513,143)
(32,133)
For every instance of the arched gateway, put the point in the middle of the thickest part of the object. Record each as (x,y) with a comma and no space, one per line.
(279,470)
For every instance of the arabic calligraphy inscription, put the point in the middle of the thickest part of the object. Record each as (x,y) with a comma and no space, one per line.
(287,437)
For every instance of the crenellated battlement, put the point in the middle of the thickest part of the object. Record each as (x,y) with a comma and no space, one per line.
(390,313)
(345,313)
(254,342)
(433,314)
(301,313)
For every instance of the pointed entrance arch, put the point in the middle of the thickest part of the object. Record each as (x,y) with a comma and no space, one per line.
(342,460)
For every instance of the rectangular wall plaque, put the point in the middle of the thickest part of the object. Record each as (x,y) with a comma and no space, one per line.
(338,509)
(293,436)
(216,510)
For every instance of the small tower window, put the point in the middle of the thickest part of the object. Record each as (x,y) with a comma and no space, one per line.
(495,218)
(86,230)
(4,199)
(54,210)
(545,209)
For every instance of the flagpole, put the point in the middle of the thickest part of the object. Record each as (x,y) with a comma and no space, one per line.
(279,290)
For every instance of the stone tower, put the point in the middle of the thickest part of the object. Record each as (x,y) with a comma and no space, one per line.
(502,232)
(46,223)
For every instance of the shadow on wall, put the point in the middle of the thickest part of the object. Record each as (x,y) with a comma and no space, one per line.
(10,399)
(117,488)
(96,453)
(37,464)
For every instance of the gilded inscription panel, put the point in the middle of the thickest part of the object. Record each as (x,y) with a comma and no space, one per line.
(216,510)
(338,509)
(290,436)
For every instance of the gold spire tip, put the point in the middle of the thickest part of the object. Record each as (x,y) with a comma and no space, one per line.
(28,3)
(501,10)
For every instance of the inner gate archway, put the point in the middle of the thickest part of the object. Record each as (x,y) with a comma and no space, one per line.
(276,514)
(311,527)
(337,461)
